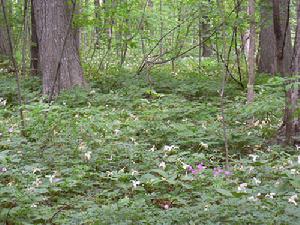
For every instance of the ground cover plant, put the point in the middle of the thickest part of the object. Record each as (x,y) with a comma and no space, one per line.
(149,112)
(141,154)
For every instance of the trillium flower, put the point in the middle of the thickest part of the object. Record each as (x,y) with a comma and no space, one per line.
(135,183)
(293,199)
(227,173)
(254,157)
(199,169)
(169,148)
(117,132)
(204,145)
(37,182)
(3,169)
(88,155)
(162,165)
(153,148)
(134,172)
(271,195)
(217,171)
(185,166)
(33,205)
(242,187)
(254,198)
(256,181)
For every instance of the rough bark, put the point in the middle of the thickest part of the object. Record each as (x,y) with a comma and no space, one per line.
(267,42)
(4,42)
(34,48)
(58,55)
(206,49)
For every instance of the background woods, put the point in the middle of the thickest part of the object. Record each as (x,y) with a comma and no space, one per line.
(149,111)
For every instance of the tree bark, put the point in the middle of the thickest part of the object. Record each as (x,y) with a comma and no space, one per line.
(251,56)
(34,47)
(58,56)
(4,42)
(267,41)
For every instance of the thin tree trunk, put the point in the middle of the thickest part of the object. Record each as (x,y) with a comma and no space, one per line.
(251,56)
(24,45)
(34,47)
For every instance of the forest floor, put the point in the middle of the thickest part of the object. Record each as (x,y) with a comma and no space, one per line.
(126,152)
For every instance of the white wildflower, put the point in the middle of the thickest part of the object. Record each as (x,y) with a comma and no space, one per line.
(35,170)
(253,198)
(50,178)
(293,199)
(166,206)
(256,181)
(271,195)
(298,147)
(254,157)
(169,148)
(298,160)
(33,205)
(134,172)
(251,168)
(88,155)
(3,170)
(293,171)
(3,101)
(135,183)
(185,166)
(162,165)
(37,182)
(204,145)
(242,187)
(117,132)
(153,148)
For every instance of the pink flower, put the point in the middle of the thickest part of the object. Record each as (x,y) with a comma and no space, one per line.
(227,173)
(200,167)
(217,171)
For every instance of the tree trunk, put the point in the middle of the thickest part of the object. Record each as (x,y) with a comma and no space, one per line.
(34,47)
(4,42)
(97,16)
(283,64)
(58,55)
(251,56)
(267,42)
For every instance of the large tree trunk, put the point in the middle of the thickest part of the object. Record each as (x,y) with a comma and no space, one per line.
(58,55)
(267,41)
(284,63)
(4,42)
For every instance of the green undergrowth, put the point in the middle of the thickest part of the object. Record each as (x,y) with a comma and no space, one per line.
(118,153)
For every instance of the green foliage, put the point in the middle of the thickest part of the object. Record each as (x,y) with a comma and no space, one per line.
(119,154)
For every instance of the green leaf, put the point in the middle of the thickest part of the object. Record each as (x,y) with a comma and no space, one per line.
(224,192)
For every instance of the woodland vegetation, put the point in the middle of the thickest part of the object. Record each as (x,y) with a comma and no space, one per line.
(149,112)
